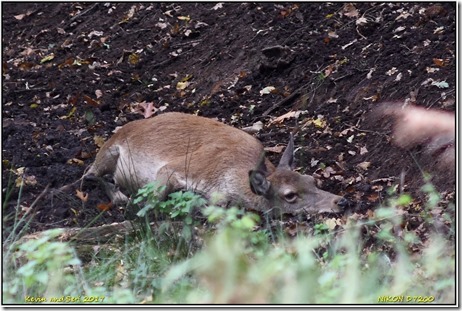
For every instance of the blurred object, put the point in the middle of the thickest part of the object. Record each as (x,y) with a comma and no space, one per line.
(434,129)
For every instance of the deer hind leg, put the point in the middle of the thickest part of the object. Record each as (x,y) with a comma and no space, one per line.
(105,165)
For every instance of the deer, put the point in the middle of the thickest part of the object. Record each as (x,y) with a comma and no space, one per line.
(184,151)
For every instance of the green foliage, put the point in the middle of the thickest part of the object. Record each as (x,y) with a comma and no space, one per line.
(239,263)
(178,205)
(182,204)
(321,228)
(149,196)
(37,267)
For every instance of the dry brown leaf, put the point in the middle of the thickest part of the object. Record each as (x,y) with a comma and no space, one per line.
(439,62)
(25,180)
(370,213)
(104,206)
(290,114)
(20,16)
(134,58)
(90,101)
(363,150)
(350,10)
(146,109)
(81,195)
(333,222)
(255,128)
(75,161)
(328,171)
(275,149)
(182,85)
(99,140)
(364,165)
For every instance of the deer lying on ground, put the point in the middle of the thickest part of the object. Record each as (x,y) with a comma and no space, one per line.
(184,151)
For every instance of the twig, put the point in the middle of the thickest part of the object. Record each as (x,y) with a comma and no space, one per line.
(284,101)
(84,12)
(40,196)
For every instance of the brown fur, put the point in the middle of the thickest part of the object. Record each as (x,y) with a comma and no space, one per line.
(185,151)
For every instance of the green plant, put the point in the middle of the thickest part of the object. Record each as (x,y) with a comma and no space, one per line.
(36,268)
(240,263)
(149,196)
(232,270)
(182,205)
(179,204)
(320,229)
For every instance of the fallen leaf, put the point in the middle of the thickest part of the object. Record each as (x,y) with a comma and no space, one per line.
(439,62)
(19,170)
(217,6)
(329,70)
(182,85)
(441,84)
(81,195)
(332,34)
(290,114)
(20,16)
(275,149)
(399,29)
(331,100)
(332,223)
(104,206)
(134,58)
(99,140)
(373,197)
(146,109)
(47,58)
(431,69)
(361,21)
(364,165)
(255,128)
(75,161)
(90,101)
(320,122)
(328,171)
(95,33)
(161,25)
(267,90)
(392,71)
(438,30)
(403,15)
(350,10)
(19,182)
(370,213)
(129,15)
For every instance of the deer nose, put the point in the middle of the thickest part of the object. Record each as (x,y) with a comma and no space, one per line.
(343,202)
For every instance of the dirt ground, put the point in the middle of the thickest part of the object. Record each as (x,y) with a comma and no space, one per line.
(72,72)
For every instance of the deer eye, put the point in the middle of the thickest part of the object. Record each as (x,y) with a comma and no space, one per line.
(290,196)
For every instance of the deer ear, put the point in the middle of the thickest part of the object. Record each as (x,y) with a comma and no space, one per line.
(258,183)
(287,159)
